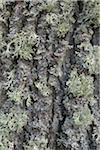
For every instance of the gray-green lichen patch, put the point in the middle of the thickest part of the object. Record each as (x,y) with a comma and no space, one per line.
(23,43)
(36,144)
(2,3)
(11,122)
(91,13)
(81,85)
(83,117)
(90,57)
(43,88)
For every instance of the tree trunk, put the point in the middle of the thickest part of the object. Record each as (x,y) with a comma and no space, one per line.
(49,71)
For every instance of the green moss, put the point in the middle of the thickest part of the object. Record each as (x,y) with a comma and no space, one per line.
(81,85)
(83,117)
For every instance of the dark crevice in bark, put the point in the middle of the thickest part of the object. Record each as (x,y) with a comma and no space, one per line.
(91,141)
(27,5)
(10,9)
(90,131)
(97,89)
(66,71)
(22,138)
(62,83)
(95,41)
(96,36)
(38,17)
(53,100)
(72,36)
(63,110)
(19,141)
(52,135)
(80,4)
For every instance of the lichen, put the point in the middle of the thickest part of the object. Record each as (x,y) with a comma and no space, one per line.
(2,4)
(81,85)
(11,122)
(83,117)
(43,88)
(63,29)
(91,59)
(49,6)
(23,43)
(90,14)
(36,144)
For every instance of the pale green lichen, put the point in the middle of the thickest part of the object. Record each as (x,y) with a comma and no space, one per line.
(2,42)
(9,124)
(19,95)
(91,59)
(6,144)
(10,80)
(14,120)
(91,13)
(66,19)
(2,2)
(83,117)
(81,85)
(15,95)
(37,144)
(43,88)
(23,43)
(52,19)
(63,28)
(61,23)
(49,6)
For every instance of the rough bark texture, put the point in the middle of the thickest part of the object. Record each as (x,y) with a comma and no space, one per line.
(61,39)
